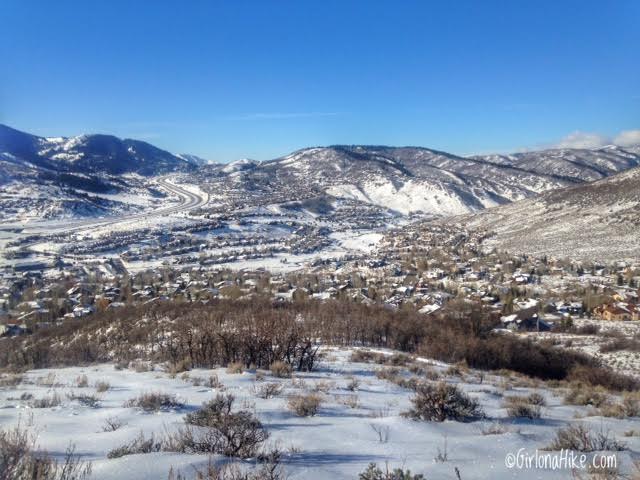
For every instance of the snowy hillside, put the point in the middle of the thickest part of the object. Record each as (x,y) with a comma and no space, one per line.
(83,176)
(410,179)
(90,153)
(359,421)
(599,220)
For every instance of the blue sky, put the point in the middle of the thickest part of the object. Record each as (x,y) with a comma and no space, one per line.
(258,79)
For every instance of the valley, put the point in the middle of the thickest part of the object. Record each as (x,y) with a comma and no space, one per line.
(328,287)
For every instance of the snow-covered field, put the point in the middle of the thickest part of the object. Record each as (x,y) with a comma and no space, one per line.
(338,443)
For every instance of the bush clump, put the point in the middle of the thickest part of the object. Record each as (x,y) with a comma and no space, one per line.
(524,407)
(584,394)
(373,472)
(440,402)
(52,400)
(580,439)
(280,369)
(215,428)
(305,405)
(235,367)
(269,390)
(140,444)
(154,401)
(19,460)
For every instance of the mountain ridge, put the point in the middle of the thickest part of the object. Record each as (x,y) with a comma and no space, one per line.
(402,180)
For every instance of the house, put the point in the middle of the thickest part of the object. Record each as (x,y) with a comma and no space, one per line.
(613,313)
(13,330)
(573,308)
(429,308)
(522,321)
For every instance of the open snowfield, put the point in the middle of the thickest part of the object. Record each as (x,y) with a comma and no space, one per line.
(338,443)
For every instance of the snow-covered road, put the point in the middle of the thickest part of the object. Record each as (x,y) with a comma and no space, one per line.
(187,200)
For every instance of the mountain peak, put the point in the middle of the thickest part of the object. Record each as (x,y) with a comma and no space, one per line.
(90,153)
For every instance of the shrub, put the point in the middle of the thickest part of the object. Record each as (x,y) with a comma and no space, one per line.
(141,367)
(373,472)
(536,399)
(604,377)
(235,367)
(140,444)
(581,394)
(19,461)
(270,469)
(219,430)
(49,381)
(323,386)
(431,374)
(82,381)
(628,407)
(493,428)
(588,329)
(84,399)
(578,438)
(269,390)
(523,410)
(353,384)
(46,402)
(102,386)
(622,343)
(153,402)
(366,356)
(443,402)
(214,382)
(121,365)
(10,380)
(524,407)
(397,359)
(305,405)
(111,424)
(631,404)
(391,374)
(457,369)
(409,383)
(351,401)
(179,366)
(280,369)
(381,431)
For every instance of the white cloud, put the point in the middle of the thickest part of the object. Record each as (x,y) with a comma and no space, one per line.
(579,139)
(627,138)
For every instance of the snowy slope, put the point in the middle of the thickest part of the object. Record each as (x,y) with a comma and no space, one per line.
(411,179)
(87,175)
(338,443)
(599,220)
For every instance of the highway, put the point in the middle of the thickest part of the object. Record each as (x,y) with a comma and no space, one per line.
(187,201)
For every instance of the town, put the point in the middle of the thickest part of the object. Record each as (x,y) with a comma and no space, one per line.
(423,266)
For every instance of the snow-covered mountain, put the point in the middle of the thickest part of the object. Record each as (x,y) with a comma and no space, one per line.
(87,175)
(399,180)
(90,154)
(412,179)
(194,159)
(598,220)
(576,164)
